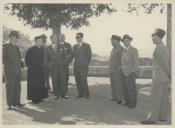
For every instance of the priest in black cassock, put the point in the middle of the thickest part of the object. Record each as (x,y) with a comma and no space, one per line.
(36,90)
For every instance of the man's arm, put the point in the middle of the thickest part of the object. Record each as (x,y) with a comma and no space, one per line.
(135,56)
(163,58)
(4,55)
(89,53)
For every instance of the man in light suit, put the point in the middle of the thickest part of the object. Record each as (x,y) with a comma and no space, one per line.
(52,62)
(65,57)
(12,68)
(114,65)
(129,70)
(82,54)
(161,80)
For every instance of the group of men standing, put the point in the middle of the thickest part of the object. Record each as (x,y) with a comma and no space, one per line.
(54,61)
(124,67)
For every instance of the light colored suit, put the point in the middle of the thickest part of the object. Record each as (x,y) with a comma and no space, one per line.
(161,79)
(114,65)
(12,69)
(129,70)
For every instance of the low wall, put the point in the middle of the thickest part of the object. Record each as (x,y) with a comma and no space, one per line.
(103,71)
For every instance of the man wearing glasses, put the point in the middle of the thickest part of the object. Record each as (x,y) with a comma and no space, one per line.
(82,54)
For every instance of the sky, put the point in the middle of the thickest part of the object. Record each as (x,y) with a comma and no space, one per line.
(139,27)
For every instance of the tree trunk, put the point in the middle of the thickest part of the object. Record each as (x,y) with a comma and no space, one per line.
(169,26)
(56,29)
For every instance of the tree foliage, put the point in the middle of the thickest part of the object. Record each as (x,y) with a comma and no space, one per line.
(50,15)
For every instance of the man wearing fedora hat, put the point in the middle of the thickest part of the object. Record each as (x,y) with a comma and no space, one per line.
(160,81)
(12,67)
(129,70)
(114,65)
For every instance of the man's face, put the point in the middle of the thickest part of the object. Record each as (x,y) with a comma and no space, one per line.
(61,38)
(39,42)
(14,39)
(54,39)
(115,42)
(155,39)
(44,41)
(126,42)
(79,38)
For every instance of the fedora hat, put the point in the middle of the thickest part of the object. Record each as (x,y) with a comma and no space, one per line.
(126,36)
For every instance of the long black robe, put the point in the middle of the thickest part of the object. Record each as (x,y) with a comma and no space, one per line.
(34,59)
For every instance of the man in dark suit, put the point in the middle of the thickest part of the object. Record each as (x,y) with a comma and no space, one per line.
(82,54)
(114,65)
(12,67)
(66,55)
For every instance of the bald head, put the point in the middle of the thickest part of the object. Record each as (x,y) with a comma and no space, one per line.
(61,37)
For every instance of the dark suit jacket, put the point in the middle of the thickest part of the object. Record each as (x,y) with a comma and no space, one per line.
(11,60)
(115,59)
(82,57)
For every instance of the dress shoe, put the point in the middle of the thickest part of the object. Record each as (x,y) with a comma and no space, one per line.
(9,108)
(119,102)
(56,97)
(148,122)
(79,97)
(87,97)
(131,107)
(124,104)
(20,105)
(66,97)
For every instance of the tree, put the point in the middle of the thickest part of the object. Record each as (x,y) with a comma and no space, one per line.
(76,15)
(56,15)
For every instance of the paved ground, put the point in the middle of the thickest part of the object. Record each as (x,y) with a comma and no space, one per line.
(96,110)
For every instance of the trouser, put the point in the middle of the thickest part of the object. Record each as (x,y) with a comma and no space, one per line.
(81,83)
(58,80)
(129,89)
(13,90)
(116,87)
(159,102)
(46,79)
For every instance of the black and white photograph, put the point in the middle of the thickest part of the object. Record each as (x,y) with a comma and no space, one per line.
(87,63)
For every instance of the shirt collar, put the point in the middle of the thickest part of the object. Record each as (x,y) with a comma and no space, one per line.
(14,44)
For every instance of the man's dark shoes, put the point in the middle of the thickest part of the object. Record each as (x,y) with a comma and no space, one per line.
(9,108)
(66,97)
(148,122)
(79,96)
(56,97)
(119,102)
(124,104)
(20,105)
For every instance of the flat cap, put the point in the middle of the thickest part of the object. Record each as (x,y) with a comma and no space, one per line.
(116,37)
(159,32)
